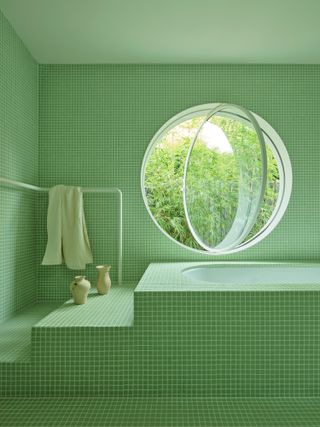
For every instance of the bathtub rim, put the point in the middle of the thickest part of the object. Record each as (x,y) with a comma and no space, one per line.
(167,277)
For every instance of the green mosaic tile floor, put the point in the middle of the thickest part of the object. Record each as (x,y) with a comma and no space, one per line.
(112,310)
(160,412)
(15,333)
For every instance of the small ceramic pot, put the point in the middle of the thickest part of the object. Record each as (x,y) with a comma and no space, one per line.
(104,281)
(79,288)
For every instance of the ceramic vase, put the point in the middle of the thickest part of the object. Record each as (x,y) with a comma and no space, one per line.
(79,288)
(104,281)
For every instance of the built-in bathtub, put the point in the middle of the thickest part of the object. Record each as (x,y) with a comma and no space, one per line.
(230,329)
(225,336)
(231,276)
(254,274)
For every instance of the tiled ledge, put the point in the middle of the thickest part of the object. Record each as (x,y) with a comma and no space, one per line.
(112,310)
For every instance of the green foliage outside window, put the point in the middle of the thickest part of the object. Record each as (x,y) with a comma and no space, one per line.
(213,181)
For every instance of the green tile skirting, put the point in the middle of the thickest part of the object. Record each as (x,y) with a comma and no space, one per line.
(160,412)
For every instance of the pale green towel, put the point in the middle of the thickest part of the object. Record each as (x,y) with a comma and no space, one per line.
(67,232)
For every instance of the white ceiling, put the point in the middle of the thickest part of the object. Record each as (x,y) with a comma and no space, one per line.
(168,31)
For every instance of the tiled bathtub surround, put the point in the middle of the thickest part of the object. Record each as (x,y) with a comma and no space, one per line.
(231,344)
(200,342)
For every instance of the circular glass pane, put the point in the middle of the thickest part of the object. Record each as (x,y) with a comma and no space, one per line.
(225,178)
(164,181)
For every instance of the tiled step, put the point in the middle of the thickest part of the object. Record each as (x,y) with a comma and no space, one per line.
(115,309)
(43,329)
(15,333)
(154,341)
(85,349)
(16,373)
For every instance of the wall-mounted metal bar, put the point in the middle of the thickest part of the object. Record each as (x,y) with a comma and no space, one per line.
(116,190)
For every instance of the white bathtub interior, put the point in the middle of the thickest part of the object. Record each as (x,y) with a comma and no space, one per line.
(254,274)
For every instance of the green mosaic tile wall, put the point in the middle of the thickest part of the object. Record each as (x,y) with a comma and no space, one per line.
(19,161)
(97,120)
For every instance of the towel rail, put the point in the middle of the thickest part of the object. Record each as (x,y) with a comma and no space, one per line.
(116,190)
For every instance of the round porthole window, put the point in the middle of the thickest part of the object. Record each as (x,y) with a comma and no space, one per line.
(216,178)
